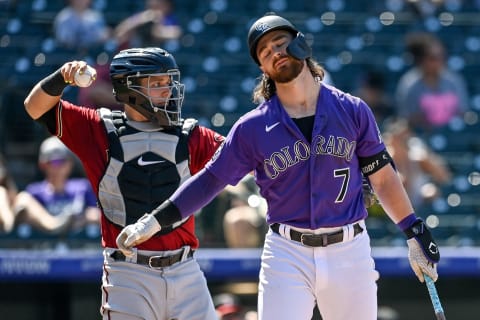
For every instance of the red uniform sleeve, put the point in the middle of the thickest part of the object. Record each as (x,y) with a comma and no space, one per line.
(83,132)
(202,145)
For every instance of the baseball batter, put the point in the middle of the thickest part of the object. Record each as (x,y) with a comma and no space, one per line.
(134,161)
(308,145)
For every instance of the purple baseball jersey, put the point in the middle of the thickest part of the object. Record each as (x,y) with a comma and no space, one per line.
(306,185)
(77,197)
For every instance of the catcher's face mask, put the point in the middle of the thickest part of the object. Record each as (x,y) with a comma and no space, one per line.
(148,80)
(160,95)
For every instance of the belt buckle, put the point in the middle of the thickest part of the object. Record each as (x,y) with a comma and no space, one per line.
(303,236)
(150,261)
(304,239)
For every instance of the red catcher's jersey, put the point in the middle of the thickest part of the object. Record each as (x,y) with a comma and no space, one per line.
(83,132)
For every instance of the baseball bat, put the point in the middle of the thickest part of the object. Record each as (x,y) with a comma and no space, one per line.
(437,306)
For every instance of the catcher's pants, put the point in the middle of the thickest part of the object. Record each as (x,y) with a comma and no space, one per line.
(340,278)
(136,291)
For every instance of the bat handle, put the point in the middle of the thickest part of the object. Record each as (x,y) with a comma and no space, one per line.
(432,290)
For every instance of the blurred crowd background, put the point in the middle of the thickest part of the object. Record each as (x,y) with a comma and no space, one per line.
(415,62)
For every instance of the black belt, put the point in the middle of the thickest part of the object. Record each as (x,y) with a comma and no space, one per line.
(317,240)
(153,261)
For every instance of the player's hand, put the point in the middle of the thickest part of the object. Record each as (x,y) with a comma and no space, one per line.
(423,252)
(134,234)
(419,262)
(69,69)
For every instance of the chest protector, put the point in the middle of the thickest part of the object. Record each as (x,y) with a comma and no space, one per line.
(145,167)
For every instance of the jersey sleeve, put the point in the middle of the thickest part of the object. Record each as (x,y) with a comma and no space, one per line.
(370,140)
(73,122)
(202,145)
(83,132)
(236,157)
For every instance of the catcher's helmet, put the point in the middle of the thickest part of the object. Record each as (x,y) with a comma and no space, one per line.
(298,48)
(126,70)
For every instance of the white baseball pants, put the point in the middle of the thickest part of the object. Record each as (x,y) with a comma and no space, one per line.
(340,278)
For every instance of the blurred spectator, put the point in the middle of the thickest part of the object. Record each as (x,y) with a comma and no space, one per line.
(79,27)
(423,172)
(242,227)
(8,192)
(229,307)
(244,223)
(372,90)
(429,95)
(150,27)
(17,208)
(235,218)
(59,194)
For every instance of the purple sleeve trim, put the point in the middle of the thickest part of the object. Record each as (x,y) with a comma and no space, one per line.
(407,221)
(196,192)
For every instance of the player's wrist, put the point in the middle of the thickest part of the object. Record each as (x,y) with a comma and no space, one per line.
(417,232)
(151,224)
(406,223)
(54,84)
(167,213)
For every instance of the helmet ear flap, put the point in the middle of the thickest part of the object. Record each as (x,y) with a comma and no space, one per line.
(299,48)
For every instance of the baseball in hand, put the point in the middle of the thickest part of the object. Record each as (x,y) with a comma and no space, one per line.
(86,77)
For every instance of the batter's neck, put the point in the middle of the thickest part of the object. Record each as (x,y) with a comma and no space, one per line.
(299,98)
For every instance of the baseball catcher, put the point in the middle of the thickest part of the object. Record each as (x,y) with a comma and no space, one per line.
(135,160)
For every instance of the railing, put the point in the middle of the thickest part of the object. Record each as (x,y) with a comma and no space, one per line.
(217,264)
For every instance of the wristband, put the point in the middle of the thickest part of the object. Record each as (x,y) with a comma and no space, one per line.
(54,84)
(416,229)
(167,214)
(422,235)
(407,222)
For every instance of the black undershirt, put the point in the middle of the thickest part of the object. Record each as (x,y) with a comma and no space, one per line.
(305,125)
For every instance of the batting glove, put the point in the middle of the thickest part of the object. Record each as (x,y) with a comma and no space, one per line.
(369,197)
(134,234)
(423,253)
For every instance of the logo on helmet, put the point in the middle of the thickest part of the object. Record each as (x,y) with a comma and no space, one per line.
(262,26)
